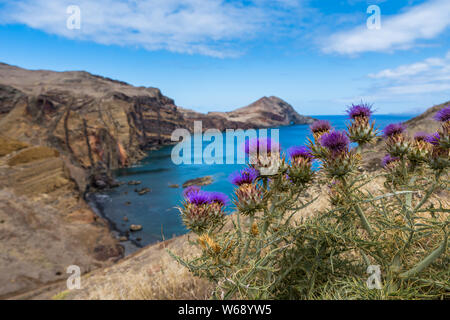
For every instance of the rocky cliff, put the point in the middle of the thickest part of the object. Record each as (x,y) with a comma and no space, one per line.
(264,113)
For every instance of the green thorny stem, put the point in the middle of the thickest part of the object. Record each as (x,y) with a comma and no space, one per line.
(359,211)
(427,261)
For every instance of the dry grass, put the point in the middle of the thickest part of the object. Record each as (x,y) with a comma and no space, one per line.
(8,145)
(149,274)
(32,154)
(171,282)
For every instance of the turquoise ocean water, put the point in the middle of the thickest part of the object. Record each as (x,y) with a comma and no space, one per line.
(156,211)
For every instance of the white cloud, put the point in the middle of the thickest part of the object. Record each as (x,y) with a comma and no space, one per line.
(207,27)
(401,31)
(430,76)
(422,83)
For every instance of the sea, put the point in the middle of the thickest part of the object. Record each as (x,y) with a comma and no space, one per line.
(157,211)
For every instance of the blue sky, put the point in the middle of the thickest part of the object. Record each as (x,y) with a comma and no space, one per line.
(215,55)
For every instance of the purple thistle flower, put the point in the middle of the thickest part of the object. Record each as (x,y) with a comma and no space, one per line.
(421,136)
(198,198)
(244,176)
(388,159)
(320,126)
(360,110)
(335,141)
(443,115)
(189,190)
(434,138)
(257,145)
(394,129)
(300,151)
(218,197)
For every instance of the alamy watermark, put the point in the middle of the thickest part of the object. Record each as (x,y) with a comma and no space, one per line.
(374,280)
(74,280)
(374,21)
(189,149)
(74,19)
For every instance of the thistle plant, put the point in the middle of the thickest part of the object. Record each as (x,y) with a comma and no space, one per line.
(361,130)
(318,128)
(203,211)
(268,249)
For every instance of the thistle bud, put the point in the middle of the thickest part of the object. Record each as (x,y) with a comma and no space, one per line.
(249,199)
(202,210)
(389,162)
(320,127)
(248,194)
(443,116)
(419,148)
(338,160)
(397,143)
(360,130)
(439,156)
(301,160)
(394,168)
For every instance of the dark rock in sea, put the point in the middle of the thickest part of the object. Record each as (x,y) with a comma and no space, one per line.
(133,182)
(142,191)
(125,218)
(127,203)
(100,184)
(135,227)
(174,186)
(203,181)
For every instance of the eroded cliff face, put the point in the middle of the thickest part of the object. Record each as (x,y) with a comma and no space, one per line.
(45,224)
(98,123)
